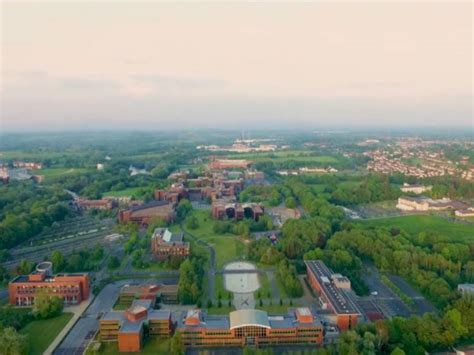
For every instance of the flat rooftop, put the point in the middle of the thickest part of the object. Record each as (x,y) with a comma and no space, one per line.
(340,300)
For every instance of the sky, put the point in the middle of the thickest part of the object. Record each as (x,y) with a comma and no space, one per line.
(151,65)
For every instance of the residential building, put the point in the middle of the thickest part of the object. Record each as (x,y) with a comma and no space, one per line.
(422,203)
(165,244)
(416,189)
(72,288)
(334,292)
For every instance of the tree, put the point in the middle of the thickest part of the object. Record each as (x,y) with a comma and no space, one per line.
(24,268)
(290,202)
(12,343)
(58,260)
(397,351)
(113,262)
(177,345)
(183,209)
(47,306)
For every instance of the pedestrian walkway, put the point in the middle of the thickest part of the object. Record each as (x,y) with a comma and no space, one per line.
(77,311)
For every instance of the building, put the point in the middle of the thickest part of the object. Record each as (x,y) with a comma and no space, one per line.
(127,328)
(469,212)
(334,291)
(466,289)
(249,327)
(72,288)
(423,203)
(416,189)
(165,244)
(4,175)
(165,293)
(144,214)
(100,166)
(223,164)
(105,204)
(238,211)
(27,165)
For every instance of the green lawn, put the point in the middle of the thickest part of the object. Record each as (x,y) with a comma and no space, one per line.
(224,310)
(264,289)
(55,172)
(274,308)
(413,225)
(219,287)
(130,192)
(151,346)
(228,247)
(281,288)
(154,267)
(42,332)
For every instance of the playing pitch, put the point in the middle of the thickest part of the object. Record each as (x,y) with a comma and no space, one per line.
(241,282)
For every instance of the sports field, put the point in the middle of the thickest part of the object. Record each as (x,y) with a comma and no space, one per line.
(42,332)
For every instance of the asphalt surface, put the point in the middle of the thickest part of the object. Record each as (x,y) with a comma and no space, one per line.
(422,305)
(390,304)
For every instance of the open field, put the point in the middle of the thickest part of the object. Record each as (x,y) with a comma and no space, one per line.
(224,310)
(282,156)
(228,247)
(274,308)
(414,225)
(130,192)
(55,172)
(151,346)
(42,332)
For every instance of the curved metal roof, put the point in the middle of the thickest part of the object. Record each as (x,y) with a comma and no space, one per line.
(248,317)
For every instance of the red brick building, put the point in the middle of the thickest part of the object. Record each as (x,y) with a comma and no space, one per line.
(96,204)
(334,291)
(223,164)
(72,288)
(238,211)
(146,213)
(165,244)
(127,328)
(250,327)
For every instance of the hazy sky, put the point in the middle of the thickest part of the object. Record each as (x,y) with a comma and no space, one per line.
(229,65)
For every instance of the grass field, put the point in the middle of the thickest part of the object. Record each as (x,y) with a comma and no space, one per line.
(281,156)
(130,192)
(274,308)
(228,247)
(264,289)
(42,332)
(413,225)
(55,172)
(224,310)
(151,346)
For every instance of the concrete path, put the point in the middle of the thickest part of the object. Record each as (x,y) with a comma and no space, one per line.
(77,313)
